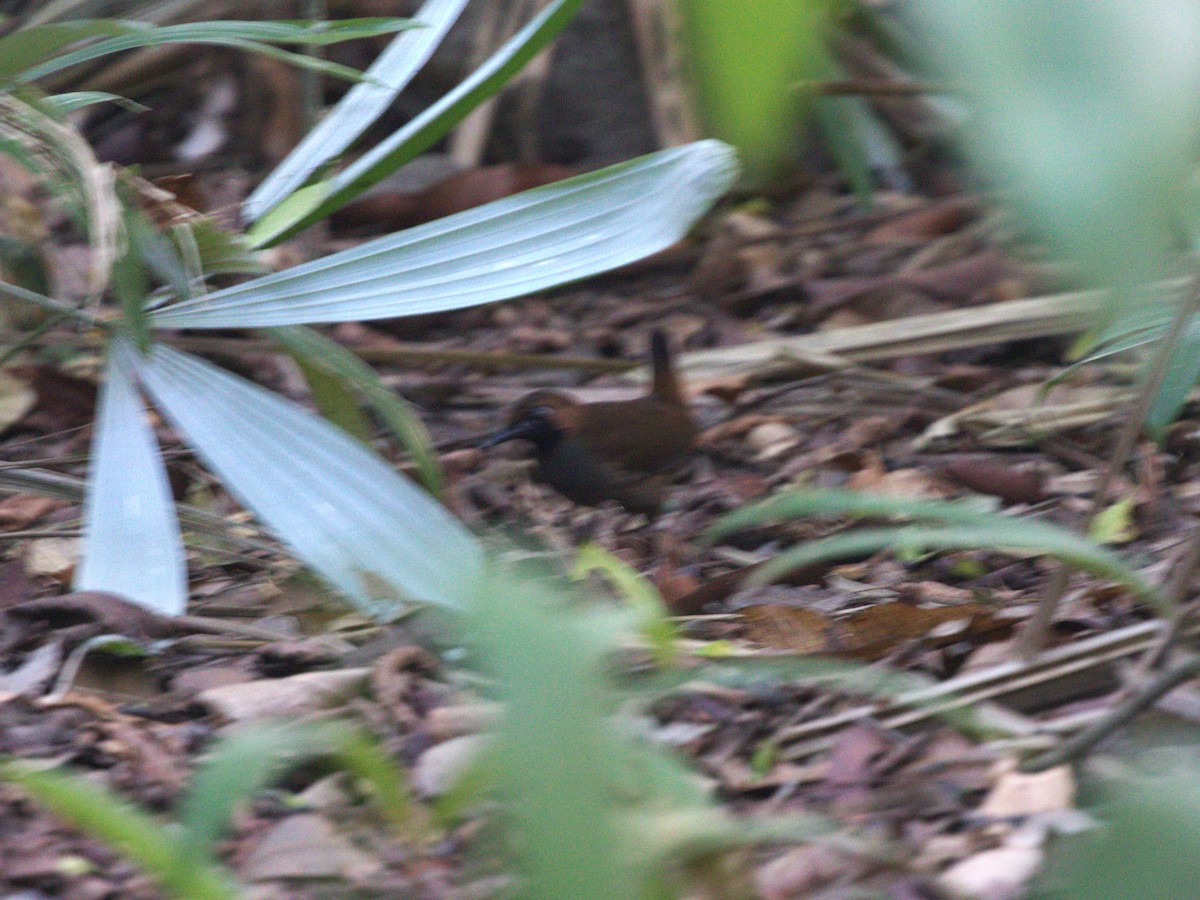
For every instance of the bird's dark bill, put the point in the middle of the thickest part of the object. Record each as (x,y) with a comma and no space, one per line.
(519,431)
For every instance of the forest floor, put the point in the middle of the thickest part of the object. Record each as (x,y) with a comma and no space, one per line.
(880,413)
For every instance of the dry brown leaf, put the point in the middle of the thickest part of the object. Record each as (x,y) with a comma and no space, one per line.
(22,510)
(712,590)
(1017,793)
(877,630)
(913,483)
(64,401)
(793,628)
(999,479)
(802,872)
(52,558)
(306,846)
(923,224)
(17,398)
(871,633)
(284,698)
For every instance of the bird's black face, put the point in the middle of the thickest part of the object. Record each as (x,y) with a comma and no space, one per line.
(535,425)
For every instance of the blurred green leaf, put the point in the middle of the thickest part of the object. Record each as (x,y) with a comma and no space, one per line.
(256,37)
(558,759)
(642,596)
(528,242)
(320,351)
(132,543)
(155,847)
(1142,847)
(955,526)
(427,128)
(1113,524)
(746,74)
(362,526)
(361,106)
(1084,119)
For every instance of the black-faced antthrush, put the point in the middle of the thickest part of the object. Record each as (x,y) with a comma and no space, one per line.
(622,450)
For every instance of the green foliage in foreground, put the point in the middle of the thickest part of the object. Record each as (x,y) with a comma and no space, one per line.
(180,855)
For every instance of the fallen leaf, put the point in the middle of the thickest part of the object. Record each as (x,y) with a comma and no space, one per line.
(989,476)
(999,874)
(802,872)
(1017,793)
(1114,524)
(784,627)
(283,698)
(52,558)
(871,633)
(925,223)
(17,398)
(22,510)
(64,401)
(772,439)
(440,767)
(307,846)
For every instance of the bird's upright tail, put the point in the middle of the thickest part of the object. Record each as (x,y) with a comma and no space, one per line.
(666,382)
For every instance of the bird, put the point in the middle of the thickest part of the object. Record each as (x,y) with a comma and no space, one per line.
(622,450)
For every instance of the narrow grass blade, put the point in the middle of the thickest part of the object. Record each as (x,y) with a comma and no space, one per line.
(952,526)
(361,106)
(796,504)
(335,399)
(132,833)
(132,543)
(21,50)
(521,244)
(245,762)
(1183,371)
(319,350)
(654,621)
(362,526)
(1047,540)
(425,130)
(256,37)
(62,104)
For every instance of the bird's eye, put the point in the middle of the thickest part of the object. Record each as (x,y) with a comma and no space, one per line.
(541,412)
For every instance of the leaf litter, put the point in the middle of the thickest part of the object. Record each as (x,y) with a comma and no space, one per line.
(940,411)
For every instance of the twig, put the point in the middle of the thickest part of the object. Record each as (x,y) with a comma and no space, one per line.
(410,353)
(1081,742)
(877,86)
(1177,594)
(1033,639)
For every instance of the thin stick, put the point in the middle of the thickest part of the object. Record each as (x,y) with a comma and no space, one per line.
(876,86)
(1082,741)
(1033,639)
(1177,595)
(411,353)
